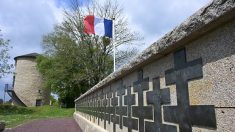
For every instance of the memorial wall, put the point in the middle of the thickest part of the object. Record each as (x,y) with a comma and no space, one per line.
(183,82)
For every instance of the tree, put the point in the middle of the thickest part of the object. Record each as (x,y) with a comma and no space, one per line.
(53,100)
(124,56)
(5,67)
(74,61)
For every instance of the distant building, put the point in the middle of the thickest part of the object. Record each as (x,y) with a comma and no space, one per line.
(27,87)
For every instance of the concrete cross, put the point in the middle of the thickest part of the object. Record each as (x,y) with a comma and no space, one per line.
(114,103)
(158,97)
(100,108)
(184,114)
(93,105)
(121,110)
(84,105)
(109,109)
(142,112)
(95,109)
(128,121)
(89,112)
(105,104)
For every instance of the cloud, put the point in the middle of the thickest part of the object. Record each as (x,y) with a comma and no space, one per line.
(69,3)
(154,18)
(24,22)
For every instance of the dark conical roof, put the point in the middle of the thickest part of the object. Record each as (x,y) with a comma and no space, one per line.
(31,55)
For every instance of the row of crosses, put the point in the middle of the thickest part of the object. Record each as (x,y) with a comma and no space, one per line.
(108,104)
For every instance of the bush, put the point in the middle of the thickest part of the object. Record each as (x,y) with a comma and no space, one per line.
(11,109)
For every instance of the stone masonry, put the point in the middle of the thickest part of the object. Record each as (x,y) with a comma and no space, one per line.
(28,81)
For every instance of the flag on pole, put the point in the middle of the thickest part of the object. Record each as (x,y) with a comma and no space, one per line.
(98,26)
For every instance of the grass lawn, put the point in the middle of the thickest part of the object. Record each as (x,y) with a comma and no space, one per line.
(14,116)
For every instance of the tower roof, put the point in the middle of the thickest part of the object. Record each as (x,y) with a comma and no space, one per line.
(31,55)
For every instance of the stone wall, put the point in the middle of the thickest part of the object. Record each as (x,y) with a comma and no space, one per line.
(28,82)
(184,82)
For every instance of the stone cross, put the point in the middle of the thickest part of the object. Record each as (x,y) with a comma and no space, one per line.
(142,112)
(90,107)
(84,105)
(158,97)
(114,103)
(109,109)
(100,108)
(121,110)
(128,121)
(184,114)
(106,105)
(95,105)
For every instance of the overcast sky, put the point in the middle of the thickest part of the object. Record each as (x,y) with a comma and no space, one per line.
(25,21)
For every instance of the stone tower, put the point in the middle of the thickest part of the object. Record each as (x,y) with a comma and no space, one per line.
(27,82)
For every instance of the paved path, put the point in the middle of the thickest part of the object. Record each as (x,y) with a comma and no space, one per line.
(48,125)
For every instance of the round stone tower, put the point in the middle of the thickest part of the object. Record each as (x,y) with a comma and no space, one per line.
(27,82)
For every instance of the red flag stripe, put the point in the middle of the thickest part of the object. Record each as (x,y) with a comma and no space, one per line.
(89,24)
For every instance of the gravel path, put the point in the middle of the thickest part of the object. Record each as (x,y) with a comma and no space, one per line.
(48,125)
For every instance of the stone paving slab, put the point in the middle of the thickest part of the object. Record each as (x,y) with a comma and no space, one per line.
(48,125)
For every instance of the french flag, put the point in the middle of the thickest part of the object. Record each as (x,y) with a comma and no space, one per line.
(98,26)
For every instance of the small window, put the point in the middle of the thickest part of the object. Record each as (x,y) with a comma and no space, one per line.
(38,102)
(13,84)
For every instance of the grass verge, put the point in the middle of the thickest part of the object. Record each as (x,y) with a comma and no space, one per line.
(15,115)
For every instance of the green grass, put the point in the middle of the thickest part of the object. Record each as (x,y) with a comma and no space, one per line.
(13,115)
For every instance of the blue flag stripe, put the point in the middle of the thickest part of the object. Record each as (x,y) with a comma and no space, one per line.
(108,26)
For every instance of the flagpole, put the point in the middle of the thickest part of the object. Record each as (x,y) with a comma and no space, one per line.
(114,47)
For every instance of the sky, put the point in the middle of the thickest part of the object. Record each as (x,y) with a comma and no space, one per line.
(24,22)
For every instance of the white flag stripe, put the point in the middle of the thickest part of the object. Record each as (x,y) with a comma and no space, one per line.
(99,26)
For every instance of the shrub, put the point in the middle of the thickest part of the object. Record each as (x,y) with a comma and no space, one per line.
(11,109)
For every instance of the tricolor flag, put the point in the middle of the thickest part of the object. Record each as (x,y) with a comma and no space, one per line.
(98,26)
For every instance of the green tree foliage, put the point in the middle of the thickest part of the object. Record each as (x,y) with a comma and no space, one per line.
(74,61)
(5,67)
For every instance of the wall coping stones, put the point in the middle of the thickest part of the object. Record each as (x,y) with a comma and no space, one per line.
(205,20)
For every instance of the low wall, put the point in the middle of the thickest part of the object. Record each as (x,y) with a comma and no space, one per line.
(183,82)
